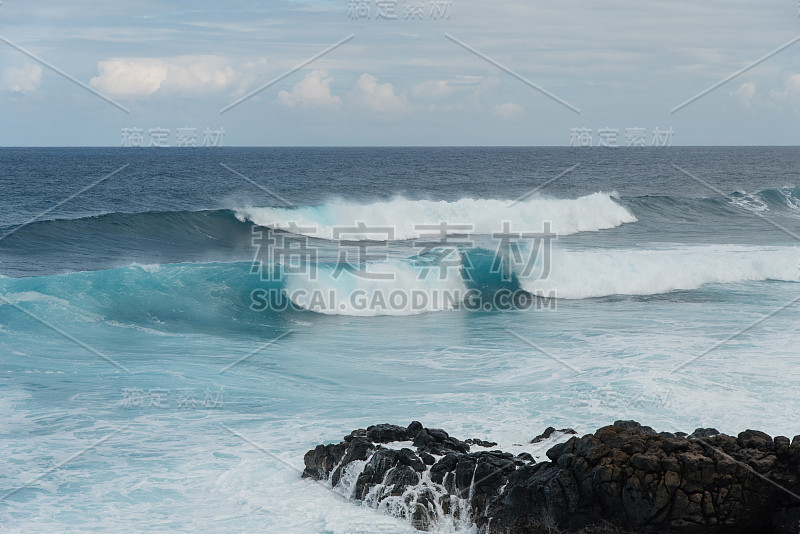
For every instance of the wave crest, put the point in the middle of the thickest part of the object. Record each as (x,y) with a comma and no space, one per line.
(594,212)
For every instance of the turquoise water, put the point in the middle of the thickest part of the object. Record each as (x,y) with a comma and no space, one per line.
(141,390)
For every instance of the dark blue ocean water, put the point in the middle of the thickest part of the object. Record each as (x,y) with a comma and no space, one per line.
(128,313)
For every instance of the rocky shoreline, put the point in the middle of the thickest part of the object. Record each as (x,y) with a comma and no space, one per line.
(623,478)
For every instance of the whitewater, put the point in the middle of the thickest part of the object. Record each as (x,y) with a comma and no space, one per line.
(145,385)
(409,219)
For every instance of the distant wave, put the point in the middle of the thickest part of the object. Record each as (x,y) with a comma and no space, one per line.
(784,200)
(115,239)
(586,213)
(598,211)
(109,227)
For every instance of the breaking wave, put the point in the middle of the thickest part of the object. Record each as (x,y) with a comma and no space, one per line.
(598,211)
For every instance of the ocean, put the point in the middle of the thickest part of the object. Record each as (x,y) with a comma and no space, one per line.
(179,326)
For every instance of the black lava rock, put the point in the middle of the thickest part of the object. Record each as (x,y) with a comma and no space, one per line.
(622,478)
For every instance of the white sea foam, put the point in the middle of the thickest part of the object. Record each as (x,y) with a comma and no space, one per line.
(572,274)
(589,213)
(407,290)
(33,296)
(792,202)
(751,202)
(588,274)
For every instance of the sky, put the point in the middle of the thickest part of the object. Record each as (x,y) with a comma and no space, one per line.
(398,72)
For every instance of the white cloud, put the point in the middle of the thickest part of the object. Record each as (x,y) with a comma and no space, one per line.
(744,94)
(378,97)
(138,77)
(448,95)
(24,79)
(313,90)
(130,77)
(792,91)
(509,110)
(199,73)
(433,90)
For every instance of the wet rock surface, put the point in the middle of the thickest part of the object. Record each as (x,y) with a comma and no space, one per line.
(625,477)
(549,431)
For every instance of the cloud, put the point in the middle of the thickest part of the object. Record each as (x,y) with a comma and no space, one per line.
(140,77)
(744,94)
(439,89)
(377,97)
(24,79)
(791,93)
(130,77)
(314,90)
(433,90)
(448,95)
(509,110)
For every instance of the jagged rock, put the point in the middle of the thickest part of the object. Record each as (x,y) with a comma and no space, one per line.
(455,445)
(753,439)
(408,458)
(781,447)
(387,433)
(623,478)
(360,433)
(375,470)
(703,433)
(633,425)
(525,456)
(445,465)
(358,449)
(463,475)
(480,443)
(427,459)
(423,440)
(438,442)
(414,428)
(320,461)
(549,431)
(401,477)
